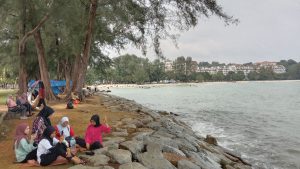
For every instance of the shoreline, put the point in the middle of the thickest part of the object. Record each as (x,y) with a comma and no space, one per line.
(141,138)
(171,137)
(111,86)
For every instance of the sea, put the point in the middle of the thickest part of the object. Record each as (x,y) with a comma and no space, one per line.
(258,120)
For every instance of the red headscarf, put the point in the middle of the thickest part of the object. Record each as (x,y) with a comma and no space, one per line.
(20,133)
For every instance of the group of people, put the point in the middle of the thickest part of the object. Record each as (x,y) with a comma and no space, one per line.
(45,143)
(24,106)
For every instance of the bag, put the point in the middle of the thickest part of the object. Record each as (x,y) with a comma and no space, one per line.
(70,105)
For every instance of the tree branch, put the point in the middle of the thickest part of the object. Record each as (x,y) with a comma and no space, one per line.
(26,36)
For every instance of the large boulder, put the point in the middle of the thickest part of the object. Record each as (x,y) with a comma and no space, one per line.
(133,165)
(174,158)
(153,158)
(169,149)
(99,159)
(82,167)
(211,140)
(135,147)
(120,156)
(112,140)
(186,164)
(121,133)
(201,159)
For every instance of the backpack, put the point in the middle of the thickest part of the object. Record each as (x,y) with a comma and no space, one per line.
(70,105)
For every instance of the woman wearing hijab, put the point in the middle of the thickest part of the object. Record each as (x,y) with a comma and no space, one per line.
(41,122)
(50,148)
(93,134)
(23,146)
(64,129)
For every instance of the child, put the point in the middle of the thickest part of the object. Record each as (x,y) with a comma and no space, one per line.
(24,148)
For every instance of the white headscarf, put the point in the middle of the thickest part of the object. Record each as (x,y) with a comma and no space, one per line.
(65,130)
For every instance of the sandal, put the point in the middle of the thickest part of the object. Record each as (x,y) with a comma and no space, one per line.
(77,160)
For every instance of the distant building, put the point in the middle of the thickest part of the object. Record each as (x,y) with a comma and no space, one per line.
(168,65)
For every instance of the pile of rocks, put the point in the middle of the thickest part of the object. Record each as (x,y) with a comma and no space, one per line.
(157,140)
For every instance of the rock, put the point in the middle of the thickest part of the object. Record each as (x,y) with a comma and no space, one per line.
(211,140)
(155,125)
(140,136)
(101,150)
(124,134)
(135,147)
(241,166)
(146,119)
(120,156)
(133,126)
(183,144)
(170,149)
(145,130)
(106,167)
(163,132)
(162,141)
(120,129)
(163,113)
(174,158)
(185,164)
(82,167)
(133,165)
(153,158)
(127,120)
(112,140)
(229,167)
(203,161)
(99,159)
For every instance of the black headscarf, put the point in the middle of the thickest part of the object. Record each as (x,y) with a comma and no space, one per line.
(45,113)
(96,119)
(47,134)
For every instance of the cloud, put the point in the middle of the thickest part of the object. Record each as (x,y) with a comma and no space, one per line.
(269,30)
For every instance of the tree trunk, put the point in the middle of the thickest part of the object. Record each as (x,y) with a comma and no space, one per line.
(81,61)
(43,65)
(67,71)
(22,81)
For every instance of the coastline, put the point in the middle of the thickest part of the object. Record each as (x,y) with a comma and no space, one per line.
(112,86)
(162,140)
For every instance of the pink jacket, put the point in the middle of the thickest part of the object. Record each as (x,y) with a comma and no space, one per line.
(93,134)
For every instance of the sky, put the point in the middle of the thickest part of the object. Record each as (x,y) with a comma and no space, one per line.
(269,30)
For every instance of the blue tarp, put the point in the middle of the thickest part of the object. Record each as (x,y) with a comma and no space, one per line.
(56,85)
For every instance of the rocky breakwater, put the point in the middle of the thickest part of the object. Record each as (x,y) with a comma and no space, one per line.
(157,140)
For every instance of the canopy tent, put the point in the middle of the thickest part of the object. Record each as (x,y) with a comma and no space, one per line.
(57,86)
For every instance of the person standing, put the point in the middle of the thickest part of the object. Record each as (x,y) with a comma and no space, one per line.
(41,94)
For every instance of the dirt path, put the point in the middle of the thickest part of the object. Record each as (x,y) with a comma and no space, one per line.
(79,119)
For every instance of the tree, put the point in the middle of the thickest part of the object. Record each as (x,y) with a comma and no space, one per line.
(219,76)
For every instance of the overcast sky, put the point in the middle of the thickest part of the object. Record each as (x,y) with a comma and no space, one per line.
(269,30)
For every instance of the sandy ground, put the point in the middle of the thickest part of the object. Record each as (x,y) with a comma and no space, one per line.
(79,119)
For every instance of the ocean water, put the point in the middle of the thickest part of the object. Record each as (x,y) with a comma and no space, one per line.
(258,120)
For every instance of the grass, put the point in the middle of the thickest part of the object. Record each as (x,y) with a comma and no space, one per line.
(79,120)
(4,93)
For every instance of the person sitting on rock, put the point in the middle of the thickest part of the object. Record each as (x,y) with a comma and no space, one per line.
(64,129)
(41,122)
(50,148)
(93,134)
(24,148)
